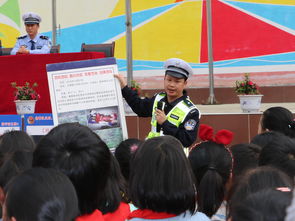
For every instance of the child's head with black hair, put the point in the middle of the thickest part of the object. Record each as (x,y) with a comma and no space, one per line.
(245,157)
(16,155)
(278,119)
(279,153)
(82,155)
(161,178)
(264,138)
(255,180)
(212,163)
(40,194)
(264,205)
(124,152)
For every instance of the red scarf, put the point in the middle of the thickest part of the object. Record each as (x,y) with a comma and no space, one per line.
(149,214)
(96,215)
(119,215)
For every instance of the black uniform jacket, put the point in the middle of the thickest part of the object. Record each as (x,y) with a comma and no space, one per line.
(187,130)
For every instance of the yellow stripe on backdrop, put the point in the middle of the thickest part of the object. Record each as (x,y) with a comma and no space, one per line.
(158,41)
(8,36)
(278,2)
(139,5)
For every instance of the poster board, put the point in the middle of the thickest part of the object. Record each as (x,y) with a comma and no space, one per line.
(38,124)
(87,92)
(9,123)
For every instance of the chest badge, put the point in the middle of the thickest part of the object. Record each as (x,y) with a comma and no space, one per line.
(174,116)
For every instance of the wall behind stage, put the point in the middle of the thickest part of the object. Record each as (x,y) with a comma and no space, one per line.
(248,35)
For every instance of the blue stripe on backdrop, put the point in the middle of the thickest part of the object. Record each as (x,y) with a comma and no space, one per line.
(101,31)
(276,59)
(280,14)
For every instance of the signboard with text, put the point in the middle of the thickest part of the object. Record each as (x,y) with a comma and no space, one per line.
(9,123)
(87,92)
(38,124)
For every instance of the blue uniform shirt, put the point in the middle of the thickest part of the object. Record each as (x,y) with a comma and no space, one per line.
(42,44)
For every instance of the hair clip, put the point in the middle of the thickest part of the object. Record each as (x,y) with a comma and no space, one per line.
(133,148)
(223,136)
(211,168)
(283,189)
(205,132)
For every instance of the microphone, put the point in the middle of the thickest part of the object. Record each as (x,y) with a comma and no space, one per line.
(160,106)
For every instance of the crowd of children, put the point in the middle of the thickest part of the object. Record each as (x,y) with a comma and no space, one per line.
(71,174)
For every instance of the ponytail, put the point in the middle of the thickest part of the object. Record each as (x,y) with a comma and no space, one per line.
(211,191)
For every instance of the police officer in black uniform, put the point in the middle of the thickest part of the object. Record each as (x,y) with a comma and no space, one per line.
(177,116)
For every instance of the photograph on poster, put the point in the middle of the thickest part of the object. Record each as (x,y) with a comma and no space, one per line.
(73,116)
(103,121)
(103,118)
(112,137)
(95,119)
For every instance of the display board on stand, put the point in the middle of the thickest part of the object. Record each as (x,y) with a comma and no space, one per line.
(87,92)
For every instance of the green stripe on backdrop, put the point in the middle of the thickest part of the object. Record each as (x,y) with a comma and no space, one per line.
(11,9)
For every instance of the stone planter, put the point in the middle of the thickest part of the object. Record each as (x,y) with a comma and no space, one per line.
(250,103)
(25,106)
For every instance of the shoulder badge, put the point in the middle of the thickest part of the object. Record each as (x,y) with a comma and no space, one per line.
(43,37)
(22,37)
(190,124)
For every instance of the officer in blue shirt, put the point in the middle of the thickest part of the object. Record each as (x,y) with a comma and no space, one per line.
(32,43)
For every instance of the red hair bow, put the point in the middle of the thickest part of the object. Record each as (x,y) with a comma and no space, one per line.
(223,136)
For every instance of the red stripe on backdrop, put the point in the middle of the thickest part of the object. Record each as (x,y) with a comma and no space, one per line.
(236,34)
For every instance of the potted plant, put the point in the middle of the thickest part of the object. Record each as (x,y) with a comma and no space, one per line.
(249,95)
(25,97)
(135,87)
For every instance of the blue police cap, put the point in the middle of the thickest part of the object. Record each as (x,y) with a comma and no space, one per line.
(178,68)
(31,18)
